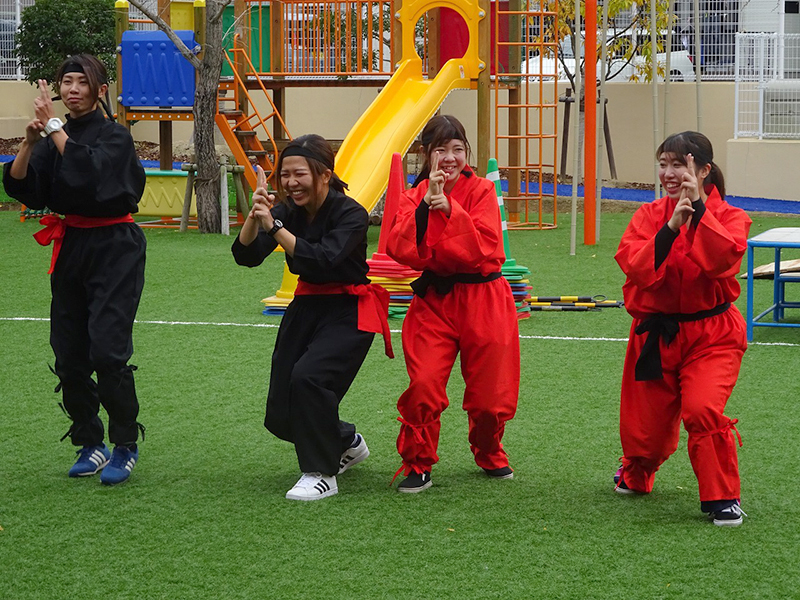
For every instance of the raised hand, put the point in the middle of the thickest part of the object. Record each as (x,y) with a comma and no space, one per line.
(689,187)
(436,179)
(689,193)
(42,104)
(263,201)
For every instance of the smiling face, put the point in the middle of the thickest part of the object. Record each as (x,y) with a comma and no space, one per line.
(671,169)
(299,183)
(452,159)
(76,93)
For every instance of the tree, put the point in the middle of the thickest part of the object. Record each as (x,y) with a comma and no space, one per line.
(52,30)
(207,183)
(628,37)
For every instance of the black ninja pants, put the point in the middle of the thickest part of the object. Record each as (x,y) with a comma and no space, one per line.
(96,287)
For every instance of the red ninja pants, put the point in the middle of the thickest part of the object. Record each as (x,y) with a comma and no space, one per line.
(700,369)
(479,320)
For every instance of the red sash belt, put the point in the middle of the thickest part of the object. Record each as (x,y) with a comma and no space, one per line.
(373,305)
(55,227)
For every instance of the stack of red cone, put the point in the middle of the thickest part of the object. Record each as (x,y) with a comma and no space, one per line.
(384,270)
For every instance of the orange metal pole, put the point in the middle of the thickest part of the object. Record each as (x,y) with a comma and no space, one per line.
(590,128)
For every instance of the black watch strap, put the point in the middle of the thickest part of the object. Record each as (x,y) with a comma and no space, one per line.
(275,227)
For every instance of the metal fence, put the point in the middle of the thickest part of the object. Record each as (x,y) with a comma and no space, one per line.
(10,11)
(767,96)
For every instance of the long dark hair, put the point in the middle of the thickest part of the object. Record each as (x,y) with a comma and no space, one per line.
(438,131)
(699,146)
(319,154)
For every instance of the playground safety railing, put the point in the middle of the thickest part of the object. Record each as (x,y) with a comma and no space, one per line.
(767,90)
(251,121)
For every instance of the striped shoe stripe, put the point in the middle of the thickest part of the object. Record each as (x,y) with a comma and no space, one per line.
(129,465)
(97,458)
(322,486)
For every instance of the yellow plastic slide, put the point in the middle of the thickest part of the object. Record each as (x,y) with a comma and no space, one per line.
(390,124)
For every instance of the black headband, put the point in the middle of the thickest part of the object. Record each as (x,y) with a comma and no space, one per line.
(306,153)
(76,67)
(73,67)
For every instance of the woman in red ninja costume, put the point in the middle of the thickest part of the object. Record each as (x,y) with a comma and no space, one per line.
(681,255)
(448,226)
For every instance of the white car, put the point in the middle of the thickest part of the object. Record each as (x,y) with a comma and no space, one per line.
(681,67)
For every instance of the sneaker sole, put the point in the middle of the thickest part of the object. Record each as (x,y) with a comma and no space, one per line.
(89,473)
(728,522)
(354,461)
(290,496)
(498,477)
(624,491)
(415,490)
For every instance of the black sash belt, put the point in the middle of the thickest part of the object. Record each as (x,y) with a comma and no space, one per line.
(648,366)
(444,285)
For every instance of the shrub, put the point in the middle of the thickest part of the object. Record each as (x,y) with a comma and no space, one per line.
(52,30)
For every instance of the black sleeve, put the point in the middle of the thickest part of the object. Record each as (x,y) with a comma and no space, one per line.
(421,216)
(261,247)
(34,190)
(106,171)
(699,210)
(348,231)
(664,239)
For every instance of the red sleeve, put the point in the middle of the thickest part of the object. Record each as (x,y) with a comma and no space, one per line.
(636,252)
(401,244)
(472,233)
(719,241)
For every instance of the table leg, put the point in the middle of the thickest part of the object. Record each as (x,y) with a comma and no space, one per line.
(777,313)
(749,293)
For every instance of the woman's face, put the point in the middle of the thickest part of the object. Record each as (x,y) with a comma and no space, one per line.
(77,94)
(298,182)
(671,169)
(452,157)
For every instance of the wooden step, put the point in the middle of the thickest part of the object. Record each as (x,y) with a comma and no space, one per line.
(243,133)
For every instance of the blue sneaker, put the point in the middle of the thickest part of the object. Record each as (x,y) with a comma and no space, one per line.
(90,460)
(123,459)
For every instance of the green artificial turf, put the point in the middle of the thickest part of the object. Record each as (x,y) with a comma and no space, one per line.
(204,514)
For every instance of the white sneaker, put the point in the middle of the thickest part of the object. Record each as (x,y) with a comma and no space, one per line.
(313,486)
(354,455)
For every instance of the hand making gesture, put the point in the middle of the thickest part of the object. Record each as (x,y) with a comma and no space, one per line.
(263,201)
(42,104)
(690,192)
(435,197)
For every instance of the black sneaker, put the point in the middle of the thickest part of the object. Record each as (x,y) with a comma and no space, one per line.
(621,487)
(730,516)
(414,483)
(501,473)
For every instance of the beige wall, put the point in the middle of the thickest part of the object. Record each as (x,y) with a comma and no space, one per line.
(751,167)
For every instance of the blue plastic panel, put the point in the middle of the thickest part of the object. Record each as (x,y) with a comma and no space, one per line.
(154,73)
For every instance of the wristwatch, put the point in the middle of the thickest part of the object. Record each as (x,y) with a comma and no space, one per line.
(275,227)
(53,125)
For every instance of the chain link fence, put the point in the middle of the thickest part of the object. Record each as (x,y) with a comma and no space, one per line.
(767,86)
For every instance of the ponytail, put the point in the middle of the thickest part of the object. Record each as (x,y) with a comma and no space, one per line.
(715,177)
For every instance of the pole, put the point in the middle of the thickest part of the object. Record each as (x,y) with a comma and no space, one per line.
(590,129)
(670,19)
(698,53)
(121,24)
(484,89)
(601,116)
(654,85)
(576,159)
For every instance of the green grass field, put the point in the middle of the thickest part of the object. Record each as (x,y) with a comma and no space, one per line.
(204,514)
